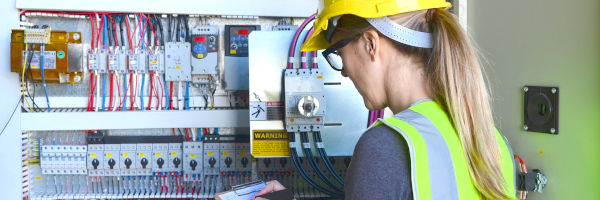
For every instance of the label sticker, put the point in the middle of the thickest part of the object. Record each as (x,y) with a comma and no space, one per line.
(226,153)
(93,155)
(232,51)
(173,153)
(109,155)
(270,143)
(125,154)
(142,154)
(242,153)
(38,178)
(192,155)
(157,154)
(209,153)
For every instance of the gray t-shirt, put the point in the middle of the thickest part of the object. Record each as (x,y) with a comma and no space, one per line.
(380,167)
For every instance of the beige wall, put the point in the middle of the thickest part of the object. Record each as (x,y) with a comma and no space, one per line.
(548,43)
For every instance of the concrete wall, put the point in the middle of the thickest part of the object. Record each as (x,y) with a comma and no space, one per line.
(548,43)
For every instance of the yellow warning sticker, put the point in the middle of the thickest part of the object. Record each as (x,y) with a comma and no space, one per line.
(125,154)
(200,55)
(192,155)
(173,153)
(154,62)
(178,67)
(232,51)
(270,143)
(93,155)
(109,155)
(38,178)
(225,153)
(157,154)
(209,153)
(142,154)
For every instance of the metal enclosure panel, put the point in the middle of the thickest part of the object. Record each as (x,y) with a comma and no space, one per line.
(346,117)
(274,8)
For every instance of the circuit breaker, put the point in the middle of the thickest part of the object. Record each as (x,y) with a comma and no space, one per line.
(156,61)
(236,56)
(211,154)
(304,100)
(178,61)
(227,153)
(192,160)
(205,49)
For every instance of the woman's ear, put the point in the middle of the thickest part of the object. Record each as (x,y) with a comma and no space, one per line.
(372,43)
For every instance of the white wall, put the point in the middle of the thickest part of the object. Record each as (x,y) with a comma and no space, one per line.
(10,142)
(548,43)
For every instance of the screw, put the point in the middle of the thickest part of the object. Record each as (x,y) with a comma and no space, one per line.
(525,127)
(525,89)
(552,130)
(553,90)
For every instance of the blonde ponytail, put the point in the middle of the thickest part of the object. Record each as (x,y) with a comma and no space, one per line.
(457,79)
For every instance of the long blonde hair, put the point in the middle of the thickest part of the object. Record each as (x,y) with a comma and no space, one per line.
(455,76)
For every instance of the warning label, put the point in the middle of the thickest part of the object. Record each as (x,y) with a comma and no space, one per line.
(270,143)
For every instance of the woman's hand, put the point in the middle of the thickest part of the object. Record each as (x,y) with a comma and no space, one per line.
(273,186)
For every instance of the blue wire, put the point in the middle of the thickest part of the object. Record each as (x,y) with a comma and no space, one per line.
(44,76)
(142,91)
(180,133)
(104,76)
(124,98)
(166,90)
(187,95)
(217,131)
(103,91)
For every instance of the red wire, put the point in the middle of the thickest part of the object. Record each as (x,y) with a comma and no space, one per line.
(118,89)
(158,99)
(142,37)
(152,28)
(92,23)
(132,98)
(128,33)
(110,100)
(151,89)
(174,132)
(162,91)
(187,134)
(171,96)
(125,93)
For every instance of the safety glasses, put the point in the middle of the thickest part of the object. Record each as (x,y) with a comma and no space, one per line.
(333,56)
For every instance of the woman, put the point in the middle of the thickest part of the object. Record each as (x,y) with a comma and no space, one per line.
(413,57)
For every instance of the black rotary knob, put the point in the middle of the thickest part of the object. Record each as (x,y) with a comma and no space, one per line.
(160,162)
(111,163)
(282,162)
(193,164)
(212,161)
(95,163)
(244,162)
(176,162)
(228,161)
(144,162)
(128,163)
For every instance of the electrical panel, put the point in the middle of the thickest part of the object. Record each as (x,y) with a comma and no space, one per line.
(205,49)
(236,56)
(178,61)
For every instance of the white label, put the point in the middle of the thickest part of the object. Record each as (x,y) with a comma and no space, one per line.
(320,145)
(292,145)
(306,145)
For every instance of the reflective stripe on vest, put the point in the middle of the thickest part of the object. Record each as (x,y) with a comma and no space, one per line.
(439,168)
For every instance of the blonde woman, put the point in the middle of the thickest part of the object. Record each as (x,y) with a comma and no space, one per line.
(413,57)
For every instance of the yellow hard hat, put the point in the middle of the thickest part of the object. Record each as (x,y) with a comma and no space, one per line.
(364,9)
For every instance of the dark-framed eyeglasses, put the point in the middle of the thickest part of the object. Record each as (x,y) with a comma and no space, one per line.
(333,56)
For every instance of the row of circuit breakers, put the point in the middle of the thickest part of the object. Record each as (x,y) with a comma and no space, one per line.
(148,156)
(178,60)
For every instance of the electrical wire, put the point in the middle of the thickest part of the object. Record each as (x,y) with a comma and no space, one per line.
(292,49)
(295,160)
(142,92)
(11,116)
(309,156)
(325,158)
(187,95)
(42,48)
(23,79)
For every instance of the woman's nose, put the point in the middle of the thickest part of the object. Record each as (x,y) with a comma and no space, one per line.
(344,74)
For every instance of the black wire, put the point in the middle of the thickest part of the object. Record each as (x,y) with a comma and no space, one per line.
(170,26)
(29,77)
(325,158)
(309,156)
(177,28)
(294,155)
(160,26)
(11,116)
(187,29)
(121,20)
